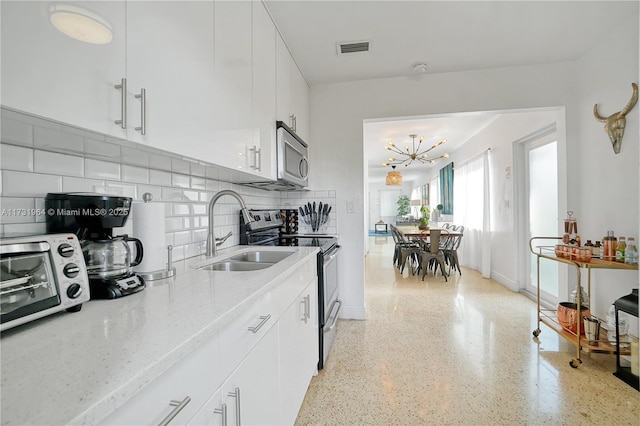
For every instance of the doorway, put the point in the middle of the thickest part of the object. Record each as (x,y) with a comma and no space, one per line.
(540,161)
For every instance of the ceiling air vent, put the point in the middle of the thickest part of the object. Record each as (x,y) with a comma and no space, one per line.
(353,47)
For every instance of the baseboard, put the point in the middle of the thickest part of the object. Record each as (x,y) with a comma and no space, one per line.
(505,281)
(352,312)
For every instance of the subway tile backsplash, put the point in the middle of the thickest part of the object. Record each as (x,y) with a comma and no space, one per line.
(41,156)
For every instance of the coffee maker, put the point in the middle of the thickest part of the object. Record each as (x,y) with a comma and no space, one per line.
(92,218)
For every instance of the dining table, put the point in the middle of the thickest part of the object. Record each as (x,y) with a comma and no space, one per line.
(414,232)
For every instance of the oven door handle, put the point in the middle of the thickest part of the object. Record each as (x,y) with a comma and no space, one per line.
(328,256)
(337,303)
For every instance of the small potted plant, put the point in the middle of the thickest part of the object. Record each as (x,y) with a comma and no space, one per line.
(424,217)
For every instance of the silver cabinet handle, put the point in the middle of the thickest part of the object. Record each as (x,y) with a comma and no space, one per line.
(257,158)
(236,395)
(291,118)
(295,123)
(143,111)
(123,103)
(307,307)
(303,302)
(222,411)
(179,407)
(264,319)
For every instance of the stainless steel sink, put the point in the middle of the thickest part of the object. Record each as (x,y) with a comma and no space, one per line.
(250,260)
(231,265)
(262,256)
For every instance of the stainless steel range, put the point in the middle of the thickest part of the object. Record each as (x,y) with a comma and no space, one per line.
(268,230)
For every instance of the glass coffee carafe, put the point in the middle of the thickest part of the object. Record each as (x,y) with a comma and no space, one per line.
(110,258)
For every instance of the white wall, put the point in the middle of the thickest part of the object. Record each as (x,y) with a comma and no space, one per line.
(608,189)
(341,165)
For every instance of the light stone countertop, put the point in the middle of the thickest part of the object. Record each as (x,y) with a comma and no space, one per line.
(77,368)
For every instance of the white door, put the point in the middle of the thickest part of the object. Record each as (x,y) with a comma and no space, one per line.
(233,84)
(298,328)
(263,162)
(170,56)
(252,392)
(50,74)
(541,179)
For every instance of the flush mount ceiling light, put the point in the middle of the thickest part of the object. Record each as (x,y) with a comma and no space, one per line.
(394,178)
(80,24)
(409,156)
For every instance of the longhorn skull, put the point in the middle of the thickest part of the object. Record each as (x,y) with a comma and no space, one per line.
(614,124)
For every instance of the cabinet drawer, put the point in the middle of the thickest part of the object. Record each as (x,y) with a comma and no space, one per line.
(191,381)
(236,339)
(244,332)
(287,290)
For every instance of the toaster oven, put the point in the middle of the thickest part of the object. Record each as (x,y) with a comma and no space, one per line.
(40,275)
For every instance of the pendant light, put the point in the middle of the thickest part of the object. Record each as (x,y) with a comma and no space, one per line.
(394,178)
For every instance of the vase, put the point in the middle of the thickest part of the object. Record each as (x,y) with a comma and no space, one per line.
(423,226)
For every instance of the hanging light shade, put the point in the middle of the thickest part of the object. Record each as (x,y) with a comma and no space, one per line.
(394,178)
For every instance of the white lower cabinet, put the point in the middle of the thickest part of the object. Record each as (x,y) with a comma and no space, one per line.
(177,395)
(250,394)
(298,328)
(214,413)
(255,371)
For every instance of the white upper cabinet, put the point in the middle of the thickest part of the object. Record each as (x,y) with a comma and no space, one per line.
(48,73)
(170,68)
(292,96)
(300,102)
(283,82)
(264,93)
(233,85)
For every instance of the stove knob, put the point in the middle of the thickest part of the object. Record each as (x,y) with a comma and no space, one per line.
(71,270)
(74,291)
(65,250)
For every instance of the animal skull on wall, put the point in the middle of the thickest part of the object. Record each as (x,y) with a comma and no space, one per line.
(614,124)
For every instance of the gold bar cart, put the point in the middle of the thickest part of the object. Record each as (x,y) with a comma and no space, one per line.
(549,317)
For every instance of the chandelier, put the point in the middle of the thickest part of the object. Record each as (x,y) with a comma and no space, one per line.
(414,155)
(394,178)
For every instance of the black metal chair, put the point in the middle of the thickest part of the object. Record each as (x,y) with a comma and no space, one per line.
(401,243)
(434,256)
(450,250)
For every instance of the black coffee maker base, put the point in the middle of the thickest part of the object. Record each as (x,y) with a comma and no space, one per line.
(113,289)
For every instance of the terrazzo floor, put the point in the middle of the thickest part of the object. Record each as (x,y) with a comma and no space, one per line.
(457,353)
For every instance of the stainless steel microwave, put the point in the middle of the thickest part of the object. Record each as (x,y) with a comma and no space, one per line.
(292,164)
(292,153)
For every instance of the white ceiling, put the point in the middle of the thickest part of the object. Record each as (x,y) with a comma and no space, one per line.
(455,128)
(447,36)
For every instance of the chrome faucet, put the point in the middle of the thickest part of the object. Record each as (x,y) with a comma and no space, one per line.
(212,241)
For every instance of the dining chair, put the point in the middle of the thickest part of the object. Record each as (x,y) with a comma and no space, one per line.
(411,252)
(451,249)
(433,255)
(400,242)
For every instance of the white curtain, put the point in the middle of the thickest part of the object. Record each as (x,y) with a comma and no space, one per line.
(471,207)
(434,193)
